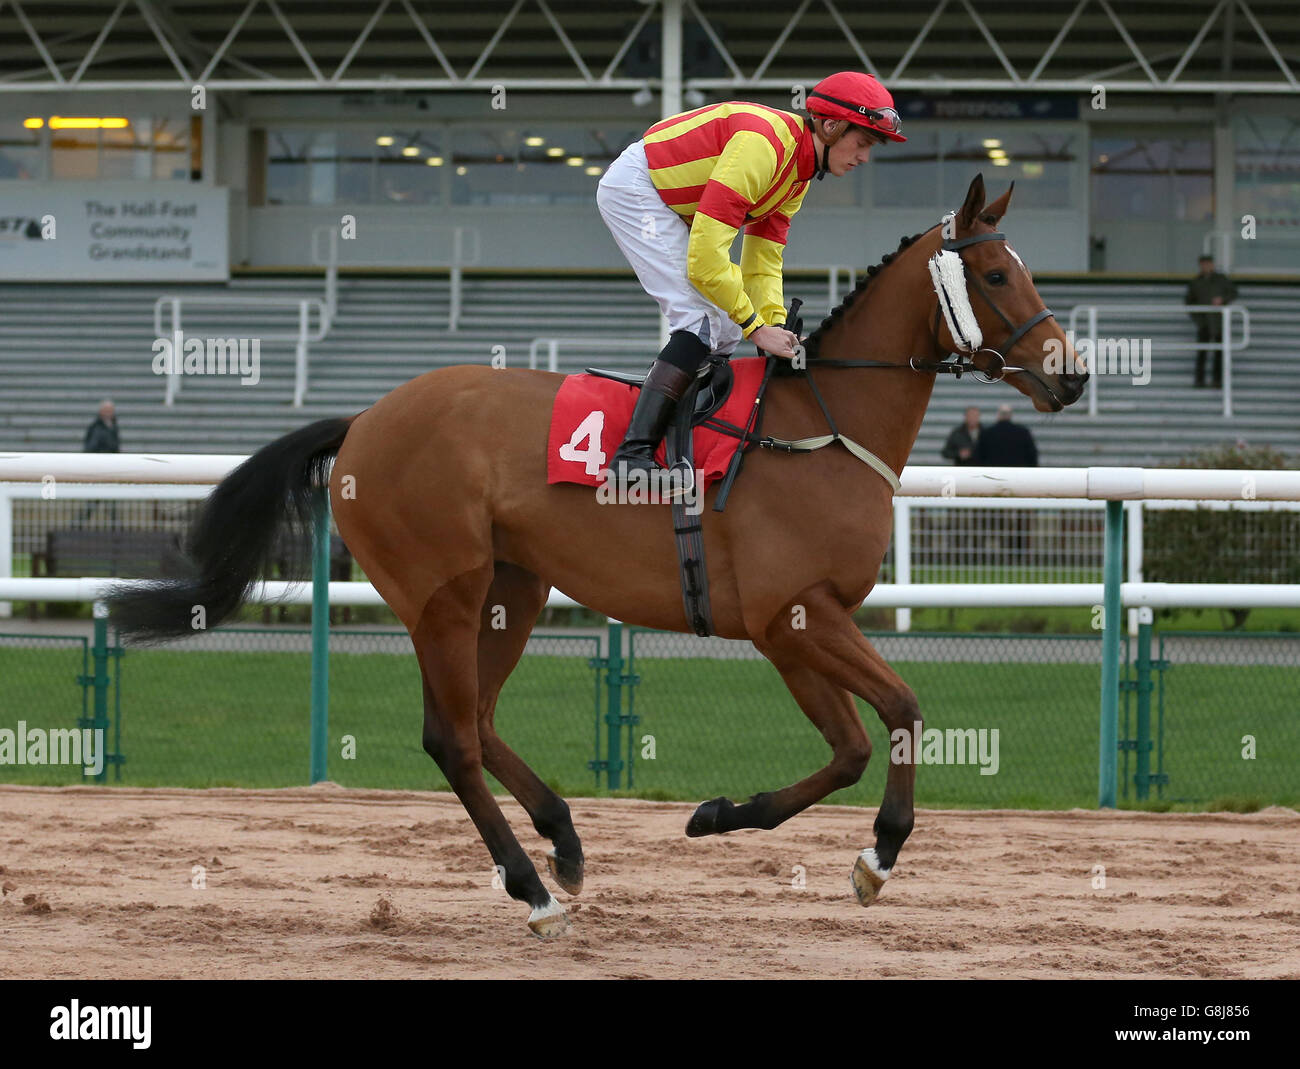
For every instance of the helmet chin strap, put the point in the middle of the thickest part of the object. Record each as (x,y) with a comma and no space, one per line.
(824,165)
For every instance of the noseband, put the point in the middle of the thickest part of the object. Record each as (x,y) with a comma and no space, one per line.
(971,341)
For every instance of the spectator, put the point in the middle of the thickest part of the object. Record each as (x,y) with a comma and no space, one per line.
(960,447)
(101,435)
(1209,287)
(1010,445)
(1006,444)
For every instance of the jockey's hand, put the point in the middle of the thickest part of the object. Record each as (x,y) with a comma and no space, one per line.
(776,340)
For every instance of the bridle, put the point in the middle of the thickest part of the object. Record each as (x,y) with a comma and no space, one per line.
(970,341)
(965,360)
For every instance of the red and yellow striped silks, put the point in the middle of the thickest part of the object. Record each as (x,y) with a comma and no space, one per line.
(728,166)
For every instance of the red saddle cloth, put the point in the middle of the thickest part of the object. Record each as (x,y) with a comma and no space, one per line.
(591,415)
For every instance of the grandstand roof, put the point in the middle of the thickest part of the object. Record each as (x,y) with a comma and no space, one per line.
(1144,46)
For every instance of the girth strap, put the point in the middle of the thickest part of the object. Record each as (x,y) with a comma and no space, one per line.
(688,533)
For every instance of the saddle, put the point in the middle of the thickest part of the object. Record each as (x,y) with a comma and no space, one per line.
(712,387)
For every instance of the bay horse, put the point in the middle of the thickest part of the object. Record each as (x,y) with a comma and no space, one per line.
(439,491)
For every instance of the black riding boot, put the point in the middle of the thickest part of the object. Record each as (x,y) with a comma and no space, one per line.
(671,373)
(663,388)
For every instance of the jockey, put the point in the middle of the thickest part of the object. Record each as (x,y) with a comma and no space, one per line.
(675,200)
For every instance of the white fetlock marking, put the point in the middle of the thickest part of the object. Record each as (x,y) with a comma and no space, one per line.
(548,919)
(873,863)
(868,877)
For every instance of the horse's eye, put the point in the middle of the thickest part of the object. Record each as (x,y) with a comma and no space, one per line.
(996,278)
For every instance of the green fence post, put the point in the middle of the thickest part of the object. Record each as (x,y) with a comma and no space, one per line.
(614,708)
(117,758)
(1112,621)
(1143,687)
(629,718)
(98,719)
(320,637)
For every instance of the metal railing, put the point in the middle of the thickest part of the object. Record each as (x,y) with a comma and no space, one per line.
(301,338)
(649,349)
(461,238)
(1228,345)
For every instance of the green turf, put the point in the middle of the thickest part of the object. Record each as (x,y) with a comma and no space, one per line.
(199,719)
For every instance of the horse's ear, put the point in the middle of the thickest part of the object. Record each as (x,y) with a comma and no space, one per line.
(974,204)
(998,208)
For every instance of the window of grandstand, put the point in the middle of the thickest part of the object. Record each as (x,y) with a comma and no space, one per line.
(1151,176)
(1041,161)
(1268,167)
(116,147)
(20,150)
(904,175)
(546,164)
(354,166)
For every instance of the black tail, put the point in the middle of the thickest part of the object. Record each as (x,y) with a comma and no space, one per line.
(234,540)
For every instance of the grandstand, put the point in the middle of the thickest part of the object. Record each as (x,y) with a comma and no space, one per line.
(1137,135)
(65,347)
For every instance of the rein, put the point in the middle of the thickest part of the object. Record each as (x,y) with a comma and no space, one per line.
(963,362)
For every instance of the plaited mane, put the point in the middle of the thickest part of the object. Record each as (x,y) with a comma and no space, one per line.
(813,341)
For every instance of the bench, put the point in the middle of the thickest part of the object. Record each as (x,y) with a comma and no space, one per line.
(143,554)
(71,553)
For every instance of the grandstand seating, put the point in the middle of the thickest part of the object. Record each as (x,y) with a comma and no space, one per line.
(65,347)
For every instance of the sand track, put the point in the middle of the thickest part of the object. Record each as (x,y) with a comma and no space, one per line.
(325,882)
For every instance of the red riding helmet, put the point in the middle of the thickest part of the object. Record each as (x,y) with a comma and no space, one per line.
(859,98)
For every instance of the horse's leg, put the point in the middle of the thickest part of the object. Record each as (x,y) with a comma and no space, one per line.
(832,710)
(832,646)
(509,612)
(445,643)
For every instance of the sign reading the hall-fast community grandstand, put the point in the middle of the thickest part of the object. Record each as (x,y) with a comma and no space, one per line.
(113,231)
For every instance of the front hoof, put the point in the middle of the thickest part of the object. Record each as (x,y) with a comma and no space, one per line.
(565,871)
(708,818)
(868,877)
(548,921)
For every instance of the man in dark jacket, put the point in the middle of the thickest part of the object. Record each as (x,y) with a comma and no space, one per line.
(101,435)
(1010,445)
(961,443)
(1006,444)
(1209,287)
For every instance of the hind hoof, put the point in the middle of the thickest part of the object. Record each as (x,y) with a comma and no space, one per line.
(868,877)
(707,818)
(566,872)
(548,921)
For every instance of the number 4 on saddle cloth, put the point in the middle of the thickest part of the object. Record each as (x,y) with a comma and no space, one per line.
(592,412)
(718,410)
